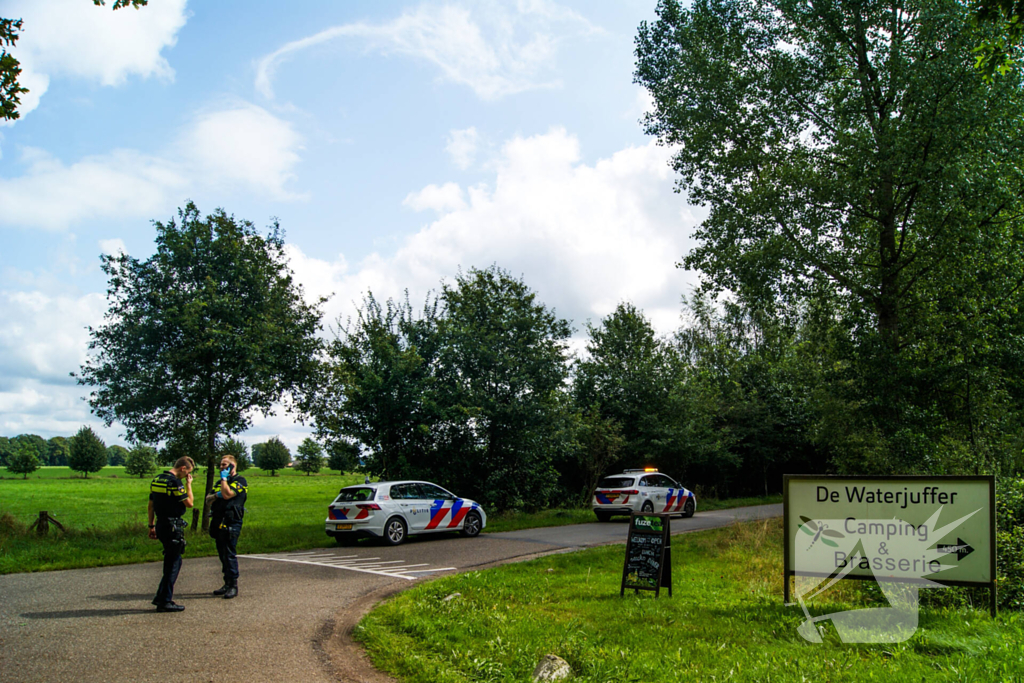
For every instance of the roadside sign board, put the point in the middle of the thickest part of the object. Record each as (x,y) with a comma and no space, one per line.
(899,528)
(648,564)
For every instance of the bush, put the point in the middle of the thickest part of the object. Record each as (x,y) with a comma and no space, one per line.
(1010,542)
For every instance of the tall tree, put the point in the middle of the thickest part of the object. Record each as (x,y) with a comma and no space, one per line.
(506,359)
(381,388)
(86,452)
(628,376)
(467,393)
(852,149)
(208,330)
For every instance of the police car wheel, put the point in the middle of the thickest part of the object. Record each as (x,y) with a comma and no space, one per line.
(473,524)
(688,508)
(394,531)
(647,507)
(603,516)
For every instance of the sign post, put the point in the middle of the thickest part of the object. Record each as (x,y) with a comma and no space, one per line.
(648,564)
(905,529)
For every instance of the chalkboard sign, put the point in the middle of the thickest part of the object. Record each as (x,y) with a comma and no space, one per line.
(648,564)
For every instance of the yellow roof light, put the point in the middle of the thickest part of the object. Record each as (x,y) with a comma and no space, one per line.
(650,469)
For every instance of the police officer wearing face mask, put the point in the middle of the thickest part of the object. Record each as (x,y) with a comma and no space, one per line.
(169,496)
(226,522)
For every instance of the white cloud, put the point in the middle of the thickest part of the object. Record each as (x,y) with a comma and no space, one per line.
(42,340)
(52,195)
(481,45)
(462,146)
(586,237)
(238,147)
(113,246)
(447,197)
(243,145)
(44,336)
(76,39)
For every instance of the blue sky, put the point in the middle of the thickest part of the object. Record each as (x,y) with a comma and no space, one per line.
(396,143)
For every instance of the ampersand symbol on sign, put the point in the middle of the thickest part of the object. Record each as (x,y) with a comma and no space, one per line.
(882,550)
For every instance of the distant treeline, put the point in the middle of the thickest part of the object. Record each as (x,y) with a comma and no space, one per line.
(32,451)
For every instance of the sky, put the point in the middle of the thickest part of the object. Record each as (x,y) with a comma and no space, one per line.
(396,143)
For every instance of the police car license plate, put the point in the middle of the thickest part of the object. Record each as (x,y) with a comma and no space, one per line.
(343,527)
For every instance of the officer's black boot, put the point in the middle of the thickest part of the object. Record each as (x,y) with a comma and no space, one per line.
(222,590)
(231,591)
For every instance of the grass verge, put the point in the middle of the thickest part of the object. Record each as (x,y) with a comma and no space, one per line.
(515,521)
(726,621)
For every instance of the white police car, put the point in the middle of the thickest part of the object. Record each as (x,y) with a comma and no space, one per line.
(394,510)
(645,490)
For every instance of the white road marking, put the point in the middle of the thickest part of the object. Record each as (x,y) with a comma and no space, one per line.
(354,563)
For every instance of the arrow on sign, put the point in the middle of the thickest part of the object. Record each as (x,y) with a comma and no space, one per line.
(961,549)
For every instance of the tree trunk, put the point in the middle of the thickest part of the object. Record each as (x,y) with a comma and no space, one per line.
(211,445)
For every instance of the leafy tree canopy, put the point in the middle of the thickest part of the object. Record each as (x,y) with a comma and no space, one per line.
(238,449)
(342,456)
(202,334)
(116,455)
(468,393)
(141,460)
(24,460)
(273,456)
(310,458)
(852,156)
(57,451)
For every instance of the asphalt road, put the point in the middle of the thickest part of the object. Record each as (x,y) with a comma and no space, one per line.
(98,624)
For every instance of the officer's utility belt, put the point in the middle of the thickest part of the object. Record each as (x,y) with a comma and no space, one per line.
(176,523)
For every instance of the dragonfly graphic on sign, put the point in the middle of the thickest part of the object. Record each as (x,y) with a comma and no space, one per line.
(819,530)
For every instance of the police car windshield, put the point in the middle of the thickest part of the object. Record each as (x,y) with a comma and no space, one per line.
(355,494)
(615,482)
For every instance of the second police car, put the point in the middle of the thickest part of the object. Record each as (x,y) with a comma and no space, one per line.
(645,490)
(395,510)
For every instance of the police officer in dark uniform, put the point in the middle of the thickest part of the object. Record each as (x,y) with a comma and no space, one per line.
(169,496)
(226,522)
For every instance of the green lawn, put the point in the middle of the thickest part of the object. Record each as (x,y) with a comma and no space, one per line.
(106,517)
(725,622)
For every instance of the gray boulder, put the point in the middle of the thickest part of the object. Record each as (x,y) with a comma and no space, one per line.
(552,668)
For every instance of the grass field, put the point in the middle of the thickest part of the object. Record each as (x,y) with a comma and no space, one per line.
(106,517)
(725,622)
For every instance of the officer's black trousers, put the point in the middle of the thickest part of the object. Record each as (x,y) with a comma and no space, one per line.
(173,540)
(227,541)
